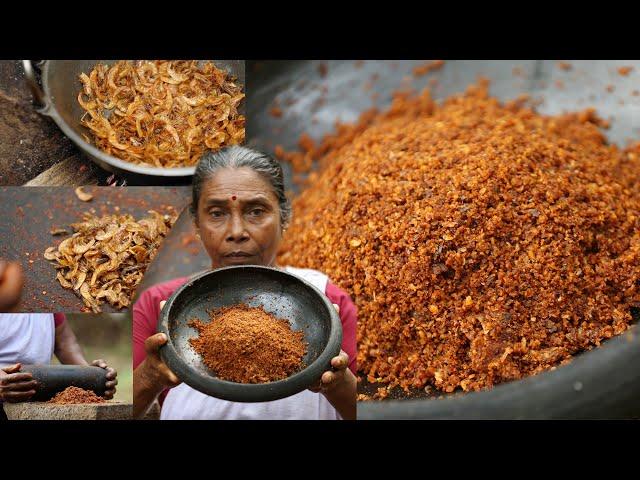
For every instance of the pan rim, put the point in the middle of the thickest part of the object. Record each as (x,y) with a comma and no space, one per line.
(522,399)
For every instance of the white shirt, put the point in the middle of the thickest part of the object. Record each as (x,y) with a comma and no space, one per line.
(26,338)
(185,403)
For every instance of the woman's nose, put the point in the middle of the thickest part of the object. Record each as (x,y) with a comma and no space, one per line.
(237,231)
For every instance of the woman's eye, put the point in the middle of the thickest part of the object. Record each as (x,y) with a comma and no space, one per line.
(216,213)
(256,212)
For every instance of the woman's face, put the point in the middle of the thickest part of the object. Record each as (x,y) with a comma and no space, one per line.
(238,218)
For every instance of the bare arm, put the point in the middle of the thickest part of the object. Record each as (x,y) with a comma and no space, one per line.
(67,349)
(151,377)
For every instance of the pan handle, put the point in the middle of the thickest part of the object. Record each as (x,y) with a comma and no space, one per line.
(40,99)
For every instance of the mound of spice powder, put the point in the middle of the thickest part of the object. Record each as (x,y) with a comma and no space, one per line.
(72,395)
(481,241)
(248,345)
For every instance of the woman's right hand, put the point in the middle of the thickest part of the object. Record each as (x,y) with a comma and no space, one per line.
(15,386)
(154,370)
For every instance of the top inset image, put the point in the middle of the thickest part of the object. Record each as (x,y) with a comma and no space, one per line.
(115,122)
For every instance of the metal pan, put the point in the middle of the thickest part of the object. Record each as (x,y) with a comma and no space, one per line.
(313,95)
(600,384)
(57,98)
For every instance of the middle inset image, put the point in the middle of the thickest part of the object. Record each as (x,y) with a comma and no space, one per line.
(85,249)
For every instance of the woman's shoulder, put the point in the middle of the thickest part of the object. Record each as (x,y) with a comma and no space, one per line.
(336,294)
(147,308)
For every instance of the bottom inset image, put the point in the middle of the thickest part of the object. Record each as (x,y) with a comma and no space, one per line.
(65,367)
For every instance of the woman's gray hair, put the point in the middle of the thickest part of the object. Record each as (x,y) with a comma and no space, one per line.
(237,157)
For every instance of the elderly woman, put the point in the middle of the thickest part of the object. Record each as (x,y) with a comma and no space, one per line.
(240,212)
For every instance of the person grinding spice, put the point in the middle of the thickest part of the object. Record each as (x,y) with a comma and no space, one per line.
(32,339)
(240,212)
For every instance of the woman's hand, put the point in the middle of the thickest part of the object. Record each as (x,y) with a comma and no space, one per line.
(152,376)
(154,369)
(112,381)
(336,378)
(339,385)
(329,379)
(15,386)
(11,283)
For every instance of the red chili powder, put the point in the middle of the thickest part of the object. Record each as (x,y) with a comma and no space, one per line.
(72,395)
(248,345)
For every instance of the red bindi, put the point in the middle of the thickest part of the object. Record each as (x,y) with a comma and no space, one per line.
(233,197)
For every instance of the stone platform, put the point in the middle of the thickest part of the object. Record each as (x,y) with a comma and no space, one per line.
(89,411)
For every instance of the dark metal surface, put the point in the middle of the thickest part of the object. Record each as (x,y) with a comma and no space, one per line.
(53,379)
(281,293)
(58,100)
(29,214)
(313,95)
(313,98)
(599,384)
(180,255)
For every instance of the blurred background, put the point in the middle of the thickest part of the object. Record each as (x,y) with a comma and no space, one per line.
(106,336)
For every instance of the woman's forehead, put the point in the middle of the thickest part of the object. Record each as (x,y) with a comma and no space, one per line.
(240,182)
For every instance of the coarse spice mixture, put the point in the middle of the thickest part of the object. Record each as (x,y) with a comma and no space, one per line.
(428,67)
(248,345)
(481,241)
(72,395)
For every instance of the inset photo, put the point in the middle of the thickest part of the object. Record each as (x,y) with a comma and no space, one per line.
(81,250)
(115,122)
(65,367)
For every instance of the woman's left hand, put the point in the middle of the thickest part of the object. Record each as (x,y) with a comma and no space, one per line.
(112,381)
(333,379)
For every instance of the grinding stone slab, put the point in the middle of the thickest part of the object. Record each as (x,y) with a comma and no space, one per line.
(87,411)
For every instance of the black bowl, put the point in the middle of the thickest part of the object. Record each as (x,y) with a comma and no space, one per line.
(283,294)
